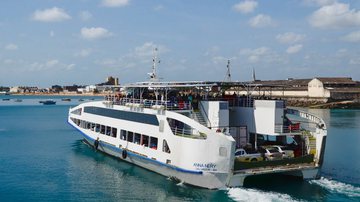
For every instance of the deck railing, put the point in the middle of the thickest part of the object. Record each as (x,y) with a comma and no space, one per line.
(154,104)
(292,128)
(311,117)
(189,133)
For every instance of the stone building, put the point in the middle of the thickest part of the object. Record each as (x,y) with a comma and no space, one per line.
(319,89)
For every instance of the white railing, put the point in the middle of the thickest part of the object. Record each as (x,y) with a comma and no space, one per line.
(189,133)
(154,104)
(292,128)
(311,117)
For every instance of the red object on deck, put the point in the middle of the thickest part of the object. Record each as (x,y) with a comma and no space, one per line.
(294,127)
(181,104)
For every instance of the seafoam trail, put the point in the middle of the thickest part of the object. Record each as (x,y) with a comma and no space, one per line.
(337,187)
(254,195)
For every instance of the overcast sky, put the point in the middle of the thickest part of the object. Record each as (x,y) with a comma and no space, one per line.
(45,42)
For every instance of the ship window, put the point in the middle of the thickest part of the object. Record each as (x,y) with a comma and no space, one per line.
(154,143)
(102,129)
(130,136)
(123,134)
(179,128)
(88,125)
(137,138)
(223,105)
(145,140)
(92,126)
(114,132)
(77,111)
(279,104)
(108,130)
(222,151)
(124,115)
(166,147)
(97,128)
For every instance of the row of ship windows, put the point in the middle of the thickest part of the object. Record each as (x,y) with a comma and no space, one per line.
(140,139)
(129,136)
(106,130)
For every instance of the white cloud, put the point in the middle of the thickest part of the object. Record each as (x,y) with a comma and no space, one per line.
(212,51)
(261,20)
(294,49)
(70,67)
(147,50)
(319,2)
(352,37)
(158,7)
(135,58)
(219,60)
(9,61)
(264,56)
(354,61)
(51,15)
(85,15)
(11,47)
(83,53)
(247,6)
(115,3)
(256,54)
(52,64)
(95,33)
(337,15)
(341,52)
(289,38)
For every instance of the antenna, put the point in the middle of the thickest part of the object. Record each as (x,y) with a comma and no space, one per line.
(228,75)
(153,75)
(253,74)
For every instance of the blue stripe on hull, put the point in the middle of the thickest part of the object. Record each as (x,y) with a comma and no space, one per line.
(136,155)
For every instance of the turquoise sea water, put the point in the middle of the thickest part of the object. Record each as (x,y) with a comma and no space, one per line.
(42,158)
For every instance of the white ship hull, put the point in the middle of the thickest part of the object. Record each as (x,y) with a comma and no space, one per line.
(195,178)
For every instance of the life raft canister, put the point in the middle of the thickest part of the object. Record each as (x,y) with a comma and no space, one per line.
(124,154)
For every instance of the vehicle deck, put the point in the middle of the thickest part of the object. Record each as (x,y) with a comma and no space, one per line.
(307,160)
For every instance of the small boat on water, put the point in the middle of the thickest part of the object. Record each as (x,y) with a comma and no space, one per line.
(48,102)
(4,93)
(66,99)
(6,99)
(18,100)
(80,100)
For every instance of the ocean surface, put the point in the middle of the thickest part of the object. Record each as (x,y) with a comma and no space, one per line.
(42,158)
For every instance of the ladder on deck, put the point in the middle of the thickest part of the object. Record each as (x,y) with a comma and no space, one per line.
(310,142)
(197,116)
(312,145)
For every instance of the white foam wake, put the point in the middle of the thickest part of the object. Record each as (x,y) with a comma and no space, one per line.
(337,187)
(253,195)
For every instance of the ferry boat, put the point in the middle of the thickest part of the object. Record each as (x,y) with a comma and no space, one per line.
(189,131)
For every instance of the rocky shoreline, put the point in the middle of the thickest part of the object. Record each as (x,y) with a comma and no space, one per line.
(348,104)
